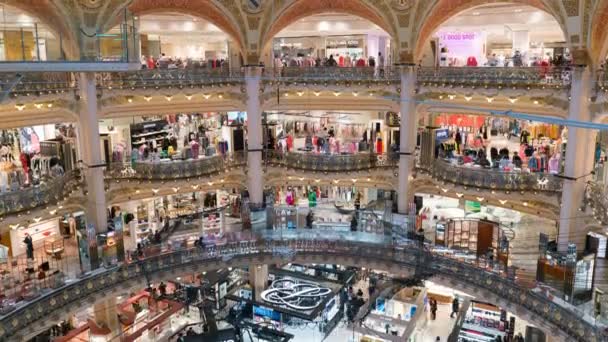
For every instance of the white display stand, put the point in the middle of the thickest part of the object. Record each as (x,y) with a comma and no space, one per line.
(38,231)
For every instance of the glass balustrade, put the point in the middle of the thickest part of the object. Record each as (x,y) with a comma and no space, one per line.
(322,162)
(247,246)
(494,179)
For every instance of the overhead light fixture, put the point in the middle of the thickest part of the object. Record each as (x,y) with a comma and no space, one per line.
(337,93)
(206,96)
(147,98)
(468,98)
(535,102)
(355,94)
(130,99)
(189,97)
(354,180)
(525,204)
(20,106)
(155,191)
(300,93)
(451,96)
(459,194)
(169,98)
(475,13)
(38,105)
(220,96)
(50,105)
(444,190)
(502,201)
(490,99)
(512,99)
(317,93)
(480,199)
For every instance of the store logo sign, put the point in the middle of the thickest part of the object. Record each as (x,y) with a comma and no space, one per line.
(295,295)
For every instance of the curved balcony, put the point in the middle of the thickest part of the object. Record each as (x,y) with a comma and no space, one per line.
(175,169)
(47,192)
(319,162)
(160,263)
(494,179)
(293,74)
(520,77)
(165,78)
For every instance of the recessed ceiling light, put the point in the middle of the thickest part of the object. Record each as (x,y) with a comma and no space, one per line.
(518,10)
(475,13)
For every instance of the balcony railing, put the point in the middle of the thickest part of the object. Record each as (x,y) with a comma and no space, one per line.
(521,77)
(49,191)
(37,83)
(333,74)
(320,162)
(494,179)
(175,169)
(596,196)
(162,78)
(251,250)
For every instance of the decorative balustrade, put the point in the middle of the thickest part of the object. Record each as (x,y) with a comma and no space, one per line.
(251,250)
(161,78)
(597,198)
(333,74)
(175,169)
(49,191)
(320,162)
(494,179)
(520,77)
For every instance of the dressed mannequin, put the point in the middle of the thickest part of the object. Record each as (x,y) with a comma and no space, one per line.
(554,164)
(443,57)
(29,246)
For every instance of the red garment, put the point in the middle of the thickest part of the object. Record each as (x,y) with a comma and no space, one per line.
(23,159)
(361,62)
(341,61)
(289,142)
(151,63)
(472,61)
(379,148)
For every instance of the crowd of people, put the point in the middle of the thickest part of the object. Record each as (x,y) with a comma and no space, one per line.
(342,61)
(167,62)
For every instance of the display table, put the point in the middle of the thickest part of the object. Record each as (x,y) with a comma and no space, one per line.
(54,247)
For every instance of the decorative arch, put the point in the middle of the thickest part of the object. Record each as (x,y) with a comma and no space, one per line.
(299,9)
(51,16)
(204,9)
(442,10)
(599,33)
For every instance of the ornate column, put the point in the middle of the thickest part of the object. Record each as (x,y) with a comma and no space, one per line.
(255,180)
(90,153)
(580,155)
(407,135)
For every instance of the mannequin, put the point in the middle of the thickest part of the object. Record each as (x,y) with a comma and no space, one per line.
(554,164)
(29,246)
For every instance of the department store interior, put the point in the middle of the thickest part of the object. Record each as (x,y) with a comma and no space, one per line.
(348,247)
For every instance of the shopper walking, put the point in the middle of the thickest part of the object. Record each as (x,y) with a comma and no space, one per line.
(455,307)
(433,309)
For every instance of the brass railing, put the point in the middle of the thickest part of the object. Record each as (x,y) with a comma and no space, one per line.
(494,179)
(49,191)
(322,162)
(175,169)
(527,77)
